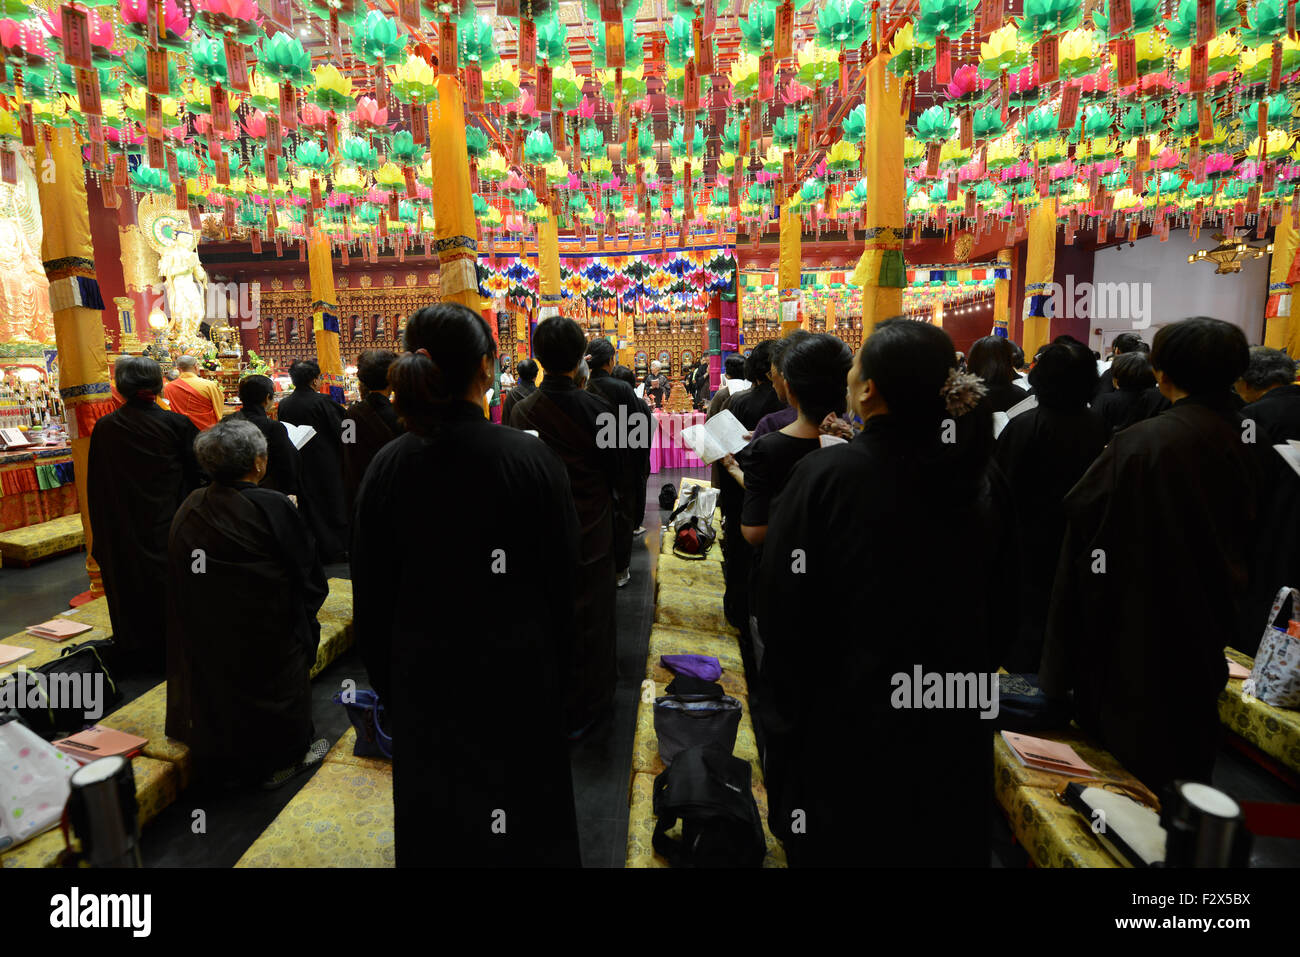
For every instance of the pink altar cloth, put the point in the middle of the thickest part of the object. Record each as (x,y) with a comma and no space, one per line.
(667,450)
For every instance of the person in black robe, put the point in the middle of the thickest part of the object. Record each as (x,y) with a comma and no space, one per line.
(1043,452)
(140,469)
(568,419)
(283,461)
(863,579)
(526,386)
(1273,405)
(1135,397)
(242,629)
(374,421)
(991,359)
(627,376)
(1154,565)
(658,387)
(1125,344)
(631,428)
(481,777)
(322,499)
(749,407)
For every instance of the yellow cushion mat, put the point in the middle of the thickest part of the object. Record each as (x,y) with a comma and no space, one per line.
(669,640)
(641,826)
(341,753)
(156,786)
(1052,833)
(691,609)
(40,541)
(685,573)
(342,817)
(147,717)
(1274,731)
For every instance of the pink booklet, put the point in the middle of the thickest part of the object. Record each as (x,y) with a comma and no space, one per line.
(11,653)
(1047,755)
(59,629)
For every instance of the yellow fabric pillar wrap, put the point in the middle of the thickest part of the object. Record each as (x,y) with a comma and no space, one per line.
(455,229)
(1002,291)
(325,313)
(936,316)
(69,259)
(1277,316)
(790,269)
(1040,264)
(548,265)
(881,271)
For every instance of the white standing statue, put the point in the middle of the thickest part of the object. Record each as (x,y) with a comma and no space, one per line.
(169,233)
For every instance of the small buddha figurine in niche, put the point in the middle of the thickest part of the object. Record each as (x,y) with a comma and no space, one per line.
(399,323)
(293,328)
(273,330)
(381,326)
(357,333)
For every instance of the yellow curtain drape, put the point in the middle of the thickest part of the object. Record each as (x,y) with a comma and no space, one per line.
(1002,291)
(1277,322)
(325,313)
(1040,264)
(69,259)
(455,229)
(881,272)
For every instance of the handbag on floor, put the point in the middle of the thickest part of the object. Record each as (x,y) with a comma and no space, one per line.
(80,673)
(1275,677)
(33,782)
(366,714)
(711,793)
(685,721)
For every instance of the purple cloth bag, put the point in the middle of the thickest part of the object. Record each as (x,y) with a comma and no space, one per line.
(704,667)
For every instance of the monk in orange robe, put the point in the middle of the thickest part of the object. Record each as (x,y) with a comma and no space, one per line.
(198,399)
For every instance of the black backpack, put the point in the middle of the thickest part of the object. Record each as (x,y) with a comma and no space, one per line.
(667,497)
(710,791)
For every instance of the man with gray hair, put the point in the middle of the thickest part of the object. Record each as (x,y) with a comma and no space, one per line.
(244,586)
(199,400)
(1273,416)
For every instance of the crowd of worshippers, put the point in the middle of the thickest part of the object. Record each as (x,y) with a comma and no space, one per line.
(1114,535)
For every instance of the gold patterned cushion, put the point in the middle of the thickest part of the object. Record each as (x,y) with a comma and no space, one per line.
(1274,731)
(156,786)
(40,541)
(94,613)
(335,617)
(147,717)
(645,743)
(341,753)
(685,573)
(641,826)
(342,817)
(668,640)
(1052,833)
(691,609)
(43,651)
(338,603)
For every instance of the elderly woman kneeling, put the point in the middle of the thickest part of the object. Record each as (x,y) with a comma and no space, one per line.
(242,630)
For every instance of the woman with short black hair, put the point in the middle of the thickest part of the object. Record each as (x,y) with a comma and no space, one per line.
(991,359)
(864,577)
(284,462)
(1155,562)
(433,553)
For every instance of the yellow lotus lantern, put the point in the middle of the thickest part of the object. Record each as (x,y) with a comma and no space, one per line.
(913,151)
(951,153)
(1220,47)
(493,167)
(599,167)
(1276,145)
(1151,49)
(904,40)
(390,176)
(302,182)
(349,180)
(1003,152)
(727,163)
(133,100)
(1125,200)
(425,173)
(413,80)
(1001,46)
(919,203)
(774,159)
(814,59)
(744,70)
(9,128)
(556,171)
(331,85)
(1077,49)
(1050,151)
(1154,142)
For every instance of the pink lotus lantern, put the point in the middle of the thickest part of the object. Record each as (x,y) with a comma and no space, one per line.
(515,223)
(514,181)
(203,125)
(1168,159)
(587,108)
(369,116)
(632,220)
(255,124)
(101,33)
(1218,164)
(23,41)
(312,115)
(795,92)
(135,13)
(966,82)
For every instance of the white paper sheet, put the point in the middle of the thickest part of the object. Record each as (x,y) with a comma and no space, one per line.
(1000,420)
(1290,453)
(722,435)
(299,435)
(1024,405)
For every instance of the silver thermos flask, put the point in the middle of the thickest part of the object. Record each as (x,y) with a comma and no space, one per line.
(104,815)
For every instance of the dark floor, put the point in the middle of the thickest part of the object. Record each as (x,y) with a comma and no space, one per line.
(601,762)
